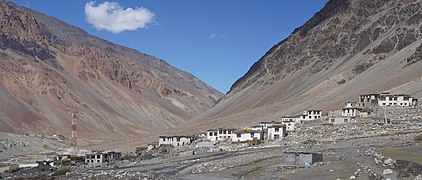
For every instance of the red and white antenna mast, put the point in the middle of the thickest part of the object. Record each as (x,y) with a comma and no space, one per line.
(74,137)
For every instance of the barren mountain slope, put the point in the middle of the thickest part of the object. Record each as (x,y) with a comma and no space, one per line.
(348,48)
(49,69)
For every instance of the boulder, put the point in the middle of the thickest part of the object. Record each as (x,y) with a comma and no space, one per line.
(387,172)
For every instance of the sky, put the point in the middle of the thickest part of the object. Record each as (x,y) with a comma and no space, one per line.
(215,40)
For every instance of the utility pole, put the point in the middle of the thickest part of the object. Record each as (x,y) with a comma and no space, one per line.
(74,137)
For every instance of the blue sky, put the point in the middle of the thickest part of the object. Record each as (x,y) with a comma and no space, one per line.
(217,41)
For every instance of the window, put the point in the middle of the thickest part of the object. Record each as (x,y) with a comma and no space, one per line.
(215,133)
(239,135)
(98,156)
(346,120)
(310,117)
(332,120)
(98,161)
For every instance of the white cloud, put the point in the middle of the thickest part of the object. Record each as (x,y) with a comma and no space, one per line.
(213,35)
(112,17)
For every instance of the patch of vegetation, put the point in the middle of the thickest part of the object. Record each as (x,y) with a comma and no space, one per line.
(62,171)
(418,138)
(45,146)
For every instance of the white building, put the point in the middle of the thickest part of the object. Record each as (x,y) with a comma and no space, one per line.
(309,115)
(175,140)
(350,112)
(290,122)
(212,135)
(387,100)
(220,134)
(399,100)
(102,157)
(243,136)
(276,131)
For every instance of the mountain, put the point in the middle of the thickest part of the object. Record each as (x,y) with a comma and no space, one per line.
(50,69)
(349,47)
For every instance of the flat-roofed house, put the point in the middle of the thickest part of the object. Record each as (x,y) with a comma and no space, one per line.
(97,157)
(396,100)
(276,131)
(243,136)
(309,115)
(368,100)
(175,140)
(212,135)
(220,134)
(290,122)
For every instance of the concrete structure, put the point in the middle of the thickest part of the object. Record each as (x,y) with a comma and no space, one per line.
(301,158)
(387,100)
(265,125)
(398,100)
(175,140)
(368,100)
(350,112)
(220,134)
(243,136)
(290,122)
(152,145)
(102,157)
(212,135)
(205,144)
(276,131)
(309,115)
(340,120)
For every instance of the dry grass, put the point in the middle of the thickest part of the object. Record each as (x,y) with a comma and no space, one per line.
(418,138)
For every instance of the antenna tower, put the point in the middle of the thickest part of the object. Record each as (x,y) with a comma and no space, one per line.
(74,137)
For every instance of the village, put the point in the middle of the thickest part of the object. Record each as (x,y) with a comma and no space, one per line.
(366,106)
(292,139)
